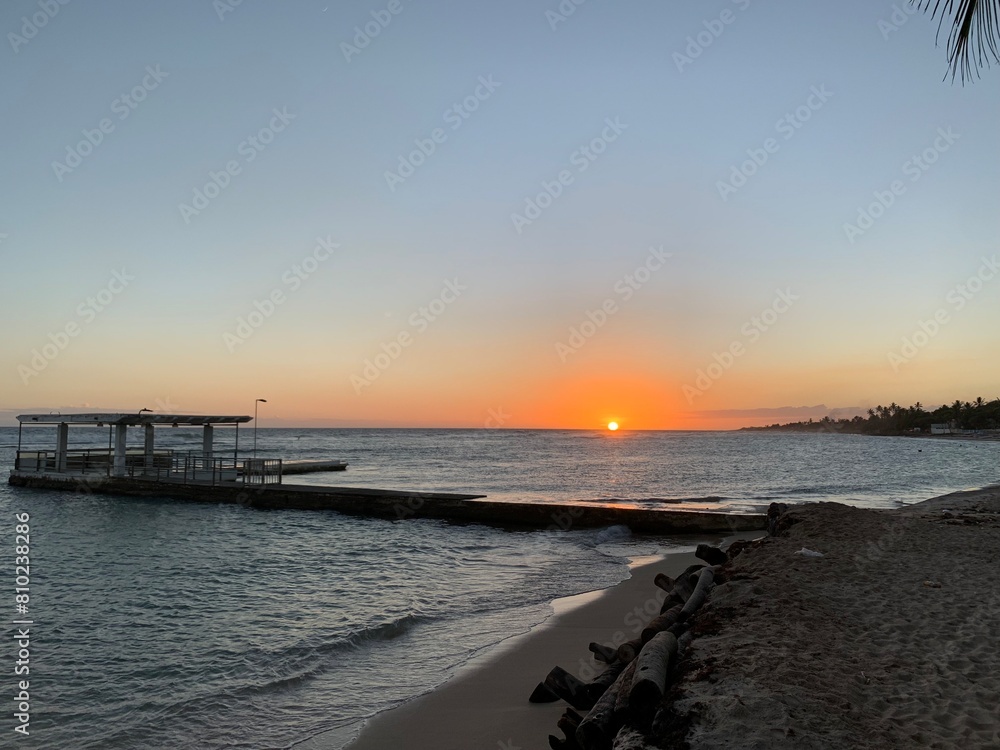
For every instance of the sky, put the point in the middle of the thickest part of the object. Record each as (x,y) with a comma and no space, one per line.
(506,215)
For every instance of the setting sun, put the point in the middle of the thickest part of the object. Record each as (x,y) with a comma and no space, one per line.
(612,426)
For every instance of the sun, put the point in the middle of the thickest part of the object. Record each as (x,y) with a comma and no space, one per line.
(612,426)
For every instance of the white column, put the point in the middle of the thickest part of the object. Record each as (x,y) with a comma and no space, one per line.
(149,446)
(206,441)
(119,463)
(62,441)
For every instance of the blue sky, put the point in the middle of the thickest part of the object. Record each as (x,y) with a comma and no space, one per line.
(349,122)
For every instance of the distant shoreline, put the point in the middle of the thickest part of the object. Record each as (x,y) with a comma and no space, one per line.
(991,435)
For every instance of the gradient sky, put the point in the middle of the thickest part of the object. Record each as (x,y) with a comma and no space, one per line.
(490,357)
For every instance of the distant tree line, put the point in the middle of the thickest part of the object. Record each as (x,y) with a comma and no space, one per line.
(899,420)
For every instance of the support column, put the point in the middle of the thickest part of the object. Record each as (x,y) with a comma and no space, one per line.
(206,441)
(62,441)
(121,431)
(149,446)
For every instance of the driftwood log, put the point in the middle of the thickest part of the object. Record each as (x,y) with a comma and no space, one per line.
(711,555)
(599,727)
(629,650)
(652,666)
(605,679)
(569,722)
(682,588)
(661,623)
(569,743)
(664,582)
(603,653)
(542,694)
(564,685)
(697,598)
(621,703)
(633,685)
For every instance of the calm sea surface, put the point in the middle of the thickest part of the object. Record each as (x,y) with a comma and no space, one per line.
(161,624)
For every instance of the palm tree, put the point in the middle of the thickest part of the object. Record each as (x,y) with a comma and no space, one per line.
(975,32)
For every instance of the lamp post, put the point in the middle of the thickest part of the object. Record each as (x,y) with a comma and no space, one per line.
(258,401)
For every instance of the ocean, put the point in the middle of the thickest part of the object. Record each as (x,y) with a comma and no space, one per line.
(161,624)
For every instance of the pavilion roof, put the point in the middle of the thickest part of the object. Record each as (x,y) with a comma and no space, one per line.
(142,418)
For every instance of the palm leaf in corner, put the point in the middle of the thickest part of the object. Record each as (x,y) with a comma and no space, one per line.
(974,36)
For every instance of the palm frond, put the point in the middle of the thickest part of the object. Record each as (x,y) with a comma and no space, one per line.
(974,36)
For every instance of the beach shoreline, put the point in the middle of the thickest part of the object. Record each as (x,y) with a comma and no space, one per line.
(799,652)
(485,704)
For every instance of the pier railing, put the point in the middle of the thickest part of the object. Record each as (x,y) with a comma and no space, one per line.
(159,466)
(261,471)
(90,461)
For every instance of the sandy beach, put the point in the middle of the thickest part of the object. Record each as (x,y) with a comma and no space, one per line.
(887,640)
(486,704)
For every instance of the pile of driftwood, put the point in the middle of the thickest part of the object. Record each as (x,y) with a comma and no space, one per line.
(629,694)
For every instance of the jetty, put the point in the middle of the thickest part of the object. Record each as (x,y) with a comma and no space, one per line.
(207,475)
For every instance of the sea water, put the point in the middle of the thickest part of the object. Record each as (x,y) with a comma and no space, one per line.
(165,624)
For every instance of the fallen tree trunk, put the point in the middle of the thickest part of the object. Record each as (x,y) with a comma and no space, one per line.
(652,667)
(682,588)
(542,694)
(663,581)
(605,679)
(603,653)
(569,688)
(569,722)
(661,623)
(599,727)
(629,650)
(699,594)
(621,702)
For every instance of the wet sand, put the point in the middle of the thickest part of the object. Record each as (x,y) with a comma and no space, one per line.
(486,705)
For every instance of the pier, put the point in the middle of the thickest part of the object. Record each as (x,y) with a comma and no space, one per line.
(206,475)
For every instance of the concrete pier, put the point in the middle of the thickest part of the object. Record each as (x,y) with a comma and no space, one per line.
(396,504)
